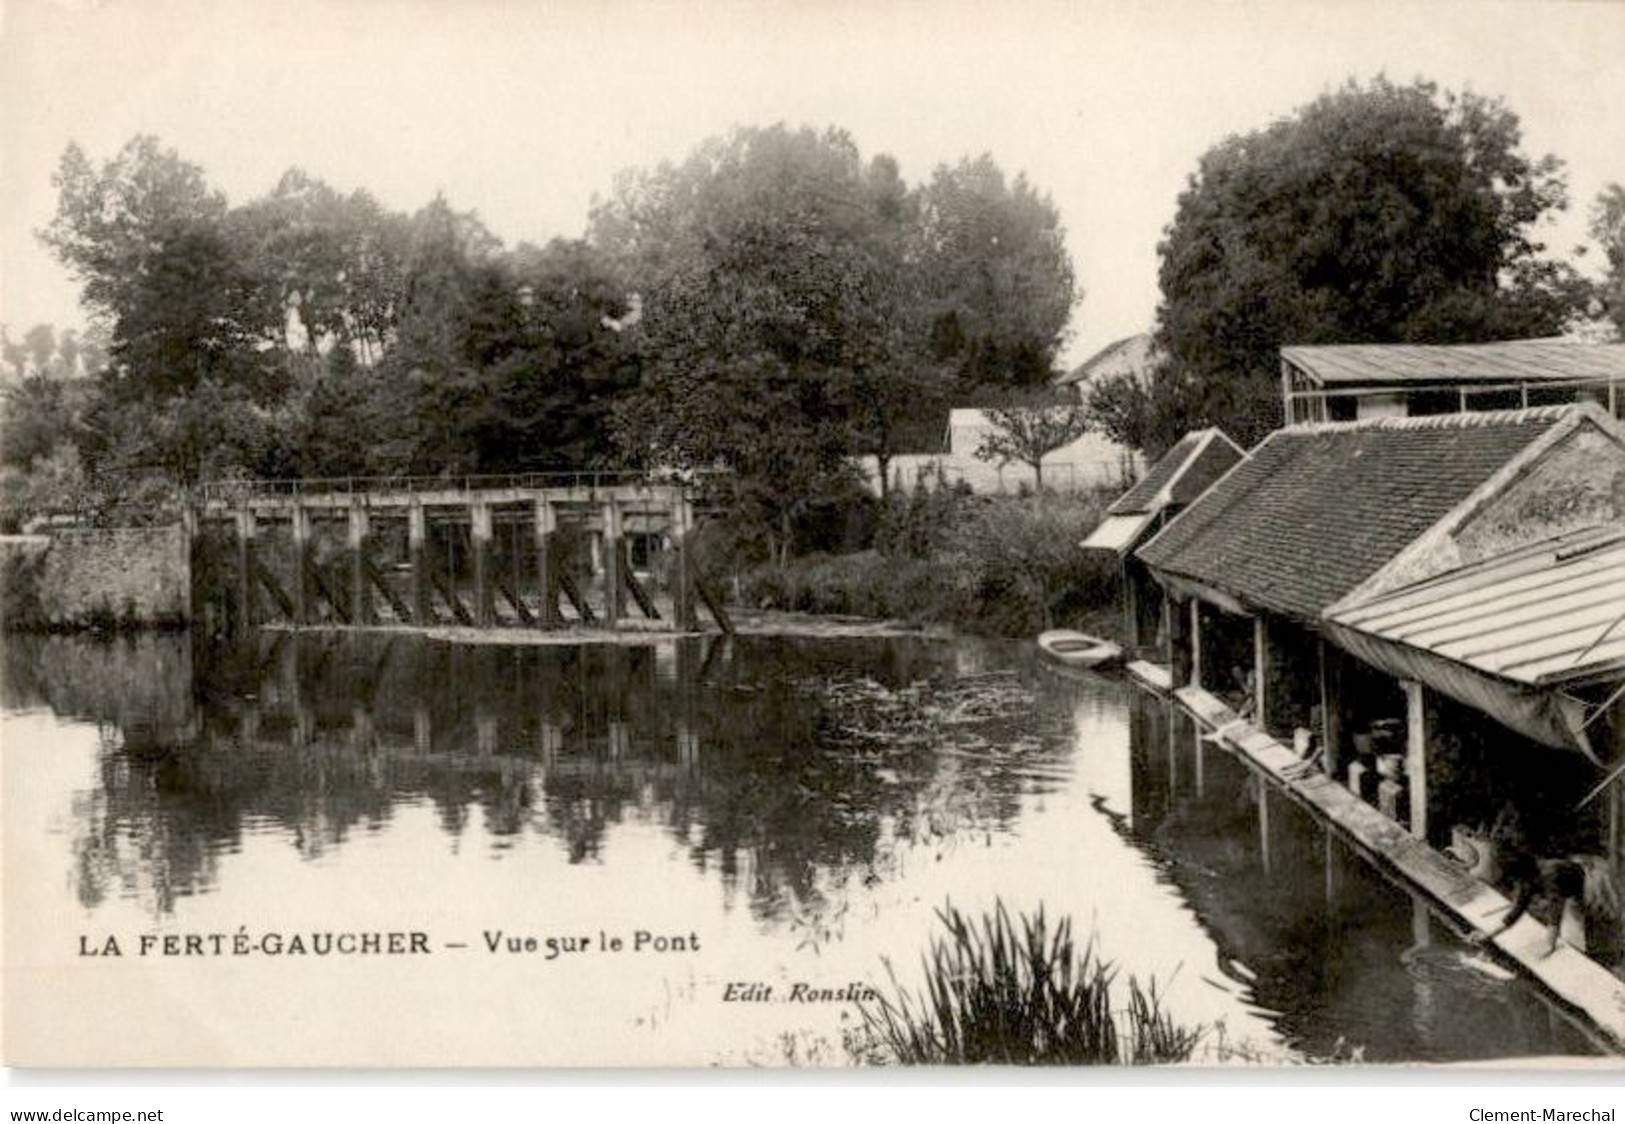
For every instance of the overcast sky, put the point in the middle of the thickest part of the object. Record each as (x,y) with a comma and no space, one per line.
(522,111)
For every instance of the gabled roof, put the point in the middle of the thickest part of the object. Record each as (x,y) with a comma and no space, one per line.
(1131,355)
(1512,361)
(1315,510)
(1541,614)
(1183,472)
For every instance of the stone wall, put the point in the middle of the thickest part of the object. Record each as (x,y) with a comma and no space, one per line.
(96,578)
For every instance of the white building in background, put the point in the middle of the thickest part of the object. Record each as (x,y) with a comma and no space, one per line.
(1091,462)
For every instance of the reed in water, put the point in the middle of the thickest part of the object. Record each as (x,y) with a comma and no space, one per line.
(1019,991)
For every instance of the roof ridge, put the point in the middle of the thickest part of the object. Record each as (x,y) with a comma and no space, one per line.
(1470,419)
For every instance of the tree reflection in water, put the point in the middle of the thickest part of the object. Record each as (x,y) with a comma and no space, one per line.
(313,737)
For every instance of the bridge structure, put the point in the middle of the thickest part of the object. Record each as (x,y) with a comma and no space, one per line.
(367,551)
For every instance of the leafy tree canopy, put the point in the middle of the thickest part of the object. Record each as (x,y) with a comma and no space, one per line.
(1378,213)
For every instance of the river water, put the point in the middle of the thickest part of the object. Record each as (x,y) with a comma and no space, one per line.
(723,808)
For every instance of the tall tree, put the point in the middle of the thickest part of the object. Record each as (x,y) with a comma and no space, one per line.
(764,266)
(1378,213)
(1608,228)
(998,275)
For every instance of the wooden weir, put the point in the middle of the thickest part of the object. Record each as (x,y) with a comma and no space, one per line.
(312,575)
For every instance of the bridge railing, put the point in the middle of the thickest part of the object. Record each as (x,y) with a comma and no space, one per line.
(233,491)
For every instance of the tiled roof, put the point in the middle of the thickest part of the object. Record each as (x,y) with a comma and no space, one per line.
(1184,472)
(1142,496)
(1315,510)
(1509,362)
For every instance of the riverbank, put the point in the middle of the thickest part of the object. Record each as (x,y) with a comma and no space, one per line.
(747,622)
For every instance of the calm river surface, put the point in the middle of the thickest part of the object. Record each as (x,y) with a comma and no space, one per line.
(710,793)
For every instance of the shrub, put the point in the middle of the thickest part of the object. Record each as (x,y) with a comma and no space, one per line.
(1008,992)
(1003,566)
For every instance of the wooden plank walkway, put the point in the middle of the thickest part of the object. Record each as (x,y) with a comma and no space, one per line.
(1573,978)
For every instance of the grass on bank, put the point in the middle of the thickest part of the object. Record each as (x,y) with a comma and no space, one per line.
(1019,991)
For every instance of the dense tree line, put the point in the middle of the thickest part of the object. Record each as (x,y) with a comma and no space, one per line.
(773,305)
(1377,213)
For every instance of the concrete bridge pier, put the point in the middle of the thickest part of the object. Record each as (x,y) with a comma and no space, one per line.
(417,534)
(246,563)
(300,517)
(614,603)
(682,524)
(480,538)
(360,582)
(544,524)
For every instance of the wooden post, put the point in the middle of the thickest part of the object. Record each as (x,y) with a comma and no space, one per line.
(1261,670)
(360,586)
(1175,622)
(248,579)
(1416,755)
(484,589)
(1131,603)
(417,534)
(1199,749)
(301,563)
(613,594)
(1332,728)
(543,525)
(682,595)
(1196,641)
(1263,820)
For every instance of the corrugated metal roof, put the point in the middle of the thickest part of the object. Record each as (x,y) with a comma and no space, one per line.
(1509,362)
(1540,615)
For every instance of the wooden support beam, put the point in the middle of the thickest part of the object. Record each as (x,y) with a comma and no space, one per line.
(1333,728)
(1175,631)
(1416,755)
(417,534)
(247,566)
(543,527)
(480,539)
(300,517)
(448,594)
(283,602)
(713,605)
(682,580)
(1196,641)
(403,612)
(317,583)
(521,610)
(1262,662)
(640,595)
(613,603)
(360,584)
(567,586)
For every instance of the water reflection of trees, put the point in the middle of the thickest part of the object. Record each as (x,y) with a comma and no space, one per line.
(314,738)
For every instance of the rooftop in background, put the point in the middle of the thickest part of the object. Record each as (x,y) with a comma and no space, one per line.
(1542,614)
(1129,355)
(1315,510)
(1509,362)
